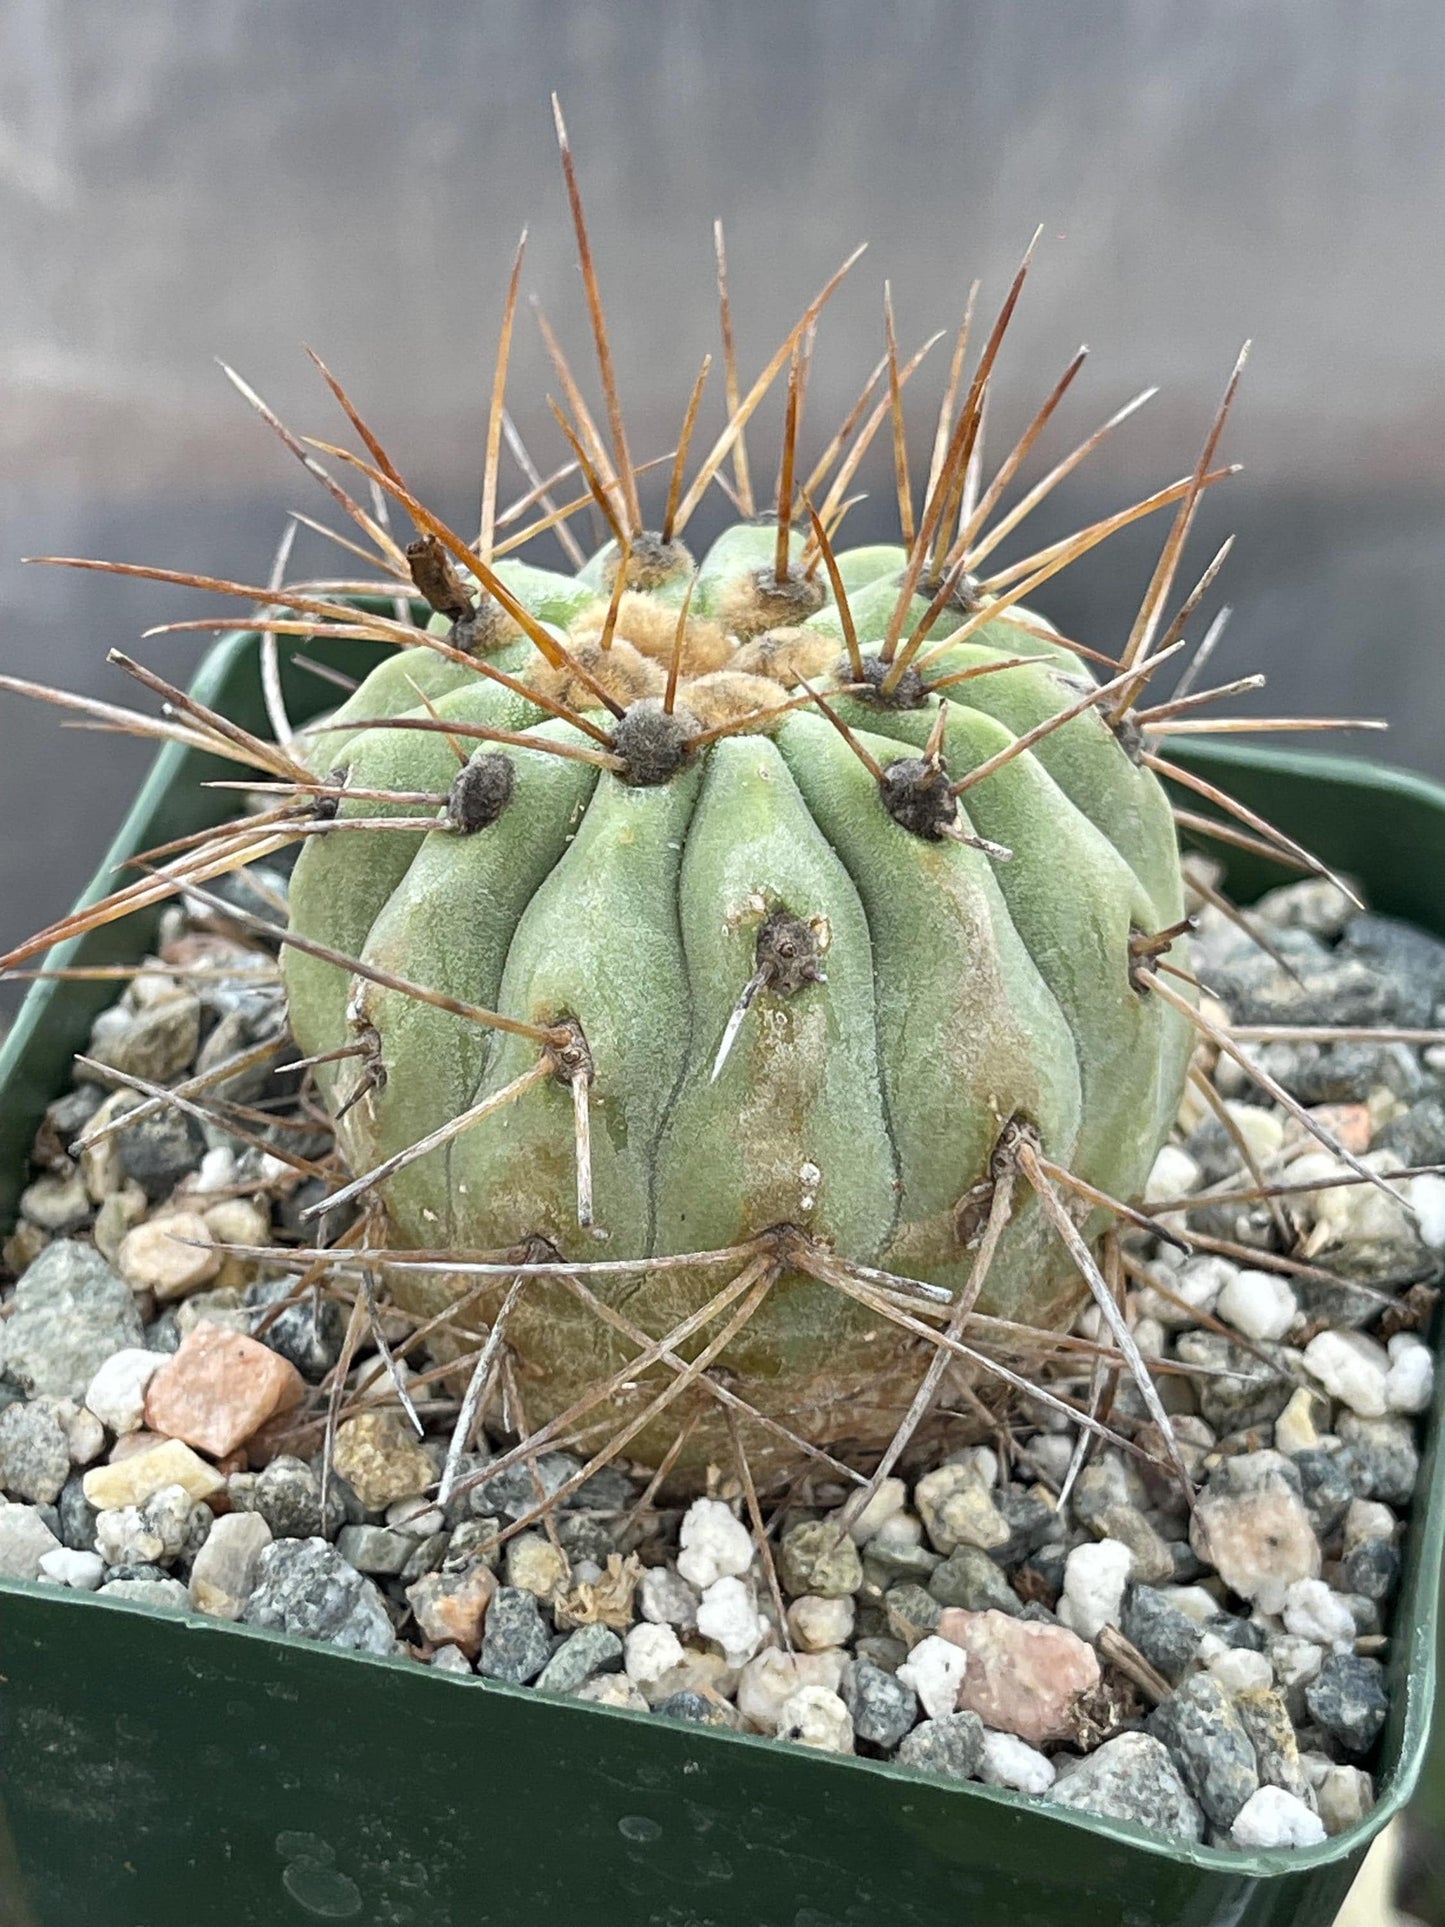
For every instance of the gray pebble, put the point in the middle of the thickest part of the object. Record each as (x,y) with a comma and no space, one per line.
(287,1494)
(590,1650)
(304,1587)
(1327,1487)
(1348,1700)
(34,1452)
(1208,1743)
(374,1549)
(72,1313)
(1153,1558)
(911,1611)
(1168,1638)
(161,1594)
(951,1745)
(157,1043)
(815,1557)
(1417,1136)
(1031,1521)
(515,1645)
(587,1535)
(969,1578)
(310,1334)
(1132,1778)
(1372,1567)
(1387,1455)
(59,1203)
(882,1707)
(1411,959)
(1267,1721)
(1243,1634)
(159,1150)
(77,1516)
(1255,1393)
(25,1538)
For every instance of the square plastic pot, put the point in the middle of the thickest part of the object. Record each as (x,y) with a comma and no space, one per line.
(163,1771)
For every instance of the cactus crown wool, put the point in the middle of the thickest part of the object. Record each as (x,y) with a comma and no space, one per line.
(747,988)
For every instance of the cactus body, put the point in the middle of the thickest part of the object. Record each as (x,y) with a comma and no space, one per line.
(947,994)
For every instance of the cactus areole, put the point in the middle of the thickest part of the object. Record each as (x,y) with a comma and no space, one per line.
(787,955)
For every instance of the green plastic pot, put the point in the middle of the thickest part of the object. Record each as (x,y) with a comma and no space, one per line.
(158,1771)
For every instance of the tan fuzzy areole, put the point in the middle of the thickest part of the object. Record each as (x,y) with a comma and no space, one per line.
(622,671)
(727,696)
(789,656)
(651,628)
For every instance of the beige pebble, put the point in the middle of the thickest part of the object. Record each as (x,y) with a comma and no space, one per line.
(132,1480)
(380,1459)
(154,1258)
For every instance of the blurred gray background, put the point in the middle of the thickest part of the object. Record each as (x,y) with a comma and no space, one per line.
(181,179)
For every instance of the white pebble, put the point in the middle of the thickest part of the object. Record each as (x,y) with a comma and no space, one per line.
(715,1545)
(816,1717)
(1410,1381)
(217,1172)
(1175,1175)
(117,1393)
(726,1614)
(1239,1670)
(1198,1282)
(1262,1130)
(1351,1368)
(890,1498)
(1094,1580)
(1314,1612)
(667,1599)
(1270,1817)
(817,1623)
(1195,1602)
(767,1683)
(1427,1200)
(83,1571)
(1010,1761)
(935,1670)
(649,1651)
(1259,1304)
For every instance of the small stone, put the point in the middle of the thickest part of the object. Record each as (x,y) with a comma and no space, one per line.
(25,1540)
(611,1689)
(1132,1777)
(1252,1526)
(169,1256)
(287,1494)
(1312,1611)
(911,1612)
(1009,1761)
(704,1671)
(768,1682)
(451,1659)
(220,1307)
(1386,1455)
(1352,1368)
(590,1650)
(76,1515)
(1345,1796)
(81,1571)
(694,1709)
(117,1392)
(817,1623)
(1348,1700)
(1167,1637)
(1258,1303)
(815,1557)
(1270,1817)
(225,1569)
(935,1670)
(1410,1381)
(649,1651)
(1296,1661)
(380,1458)
(70,1313)
(153,1533)
(1152,1555)
(817,1718)
(309,1333)
(1094,1580)
(1427,1200)
(373,1549)
(516,1646)
(666,1598)
(1239,1669)
(726,1614)
(34,1452)
(958,1509)
(1032,1520)
(58,1203)
(890,1499)
(534,1564)
(1174,1174)
(219,1389)
(452,1607)
(950,1744)
(883,1707)
(1371,1569)
(715,1545)
(1271,1733)
(1024,1677)
(1327,1487)
(1298,1427)
(159,1150)
(1209,1745)
(1247,1390)
(304,1587)
(133,1480)
(160,1595)
(969,1578)
(156,1043)
(418,1517)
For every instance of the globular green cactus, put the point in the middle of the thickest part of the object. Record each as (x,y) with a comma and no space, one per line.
(794,979)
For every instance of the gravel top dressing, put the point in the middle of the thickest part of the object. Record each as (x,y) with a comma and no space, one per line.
(194,1421)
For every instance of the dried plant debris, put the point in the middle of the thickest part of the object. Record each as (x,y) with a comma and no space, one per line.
(694,1141)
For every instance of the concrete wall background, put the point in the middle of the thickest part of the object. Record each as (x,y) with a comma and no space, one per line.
(186,178)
